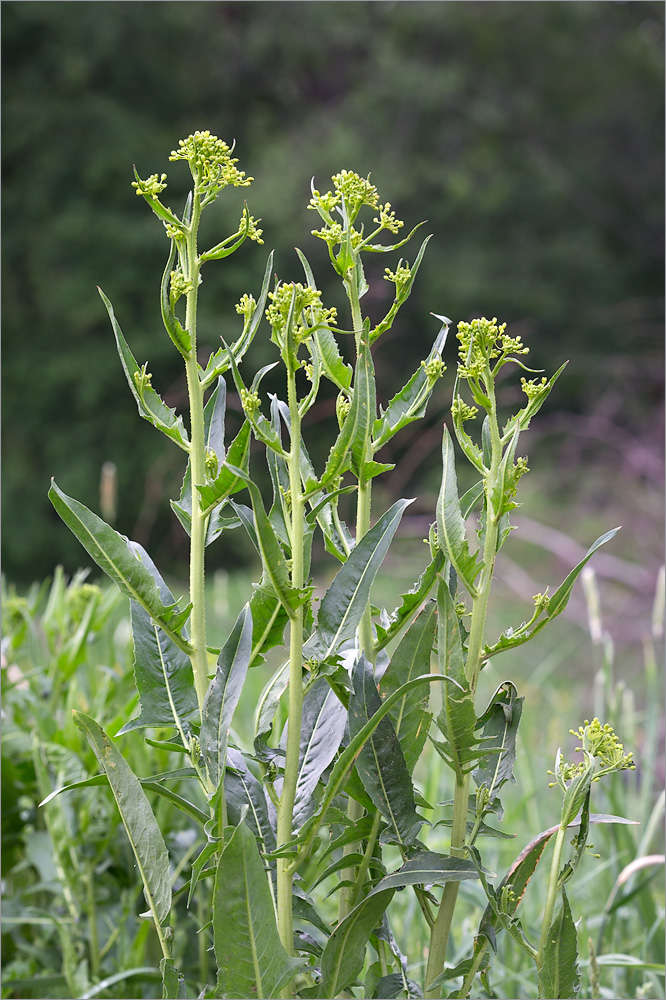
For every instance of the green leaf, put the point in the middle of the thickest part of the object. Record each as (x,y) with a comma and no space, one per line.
(251,961)
(345,600)
(114,555)
(226,483)
(457,719)
(349,448)
(428,868)
(242,789)
(500,730)
(268,619)
(380,763)
(410,601)
(150,405)
(266,709)
(173,982)
(344,953)
(410,716)
(410,403)
(140,824)
(451,535)
(163,673)
(322,728)
(393,985)
(558,976)
(556,605)
(223,694)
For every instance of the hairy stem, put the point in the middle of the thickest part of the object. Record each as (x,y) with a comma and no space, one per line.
(286,805)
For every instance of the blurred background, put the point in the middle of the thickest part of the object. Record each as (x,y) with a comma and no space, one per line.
(529,135)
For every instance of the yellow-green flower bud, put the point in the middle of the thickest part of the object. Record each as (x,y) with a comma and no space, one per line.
(152,186)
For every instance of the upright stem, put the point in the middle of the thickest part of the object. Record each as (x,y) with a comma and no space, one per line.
(553,888)
(286,804)
(199,656)
(349,893)
(439,937)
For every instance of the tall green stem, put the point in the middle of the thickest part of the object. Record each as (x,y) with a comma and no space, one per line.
(439,937)
(286,805)
(199,656)
(553,889)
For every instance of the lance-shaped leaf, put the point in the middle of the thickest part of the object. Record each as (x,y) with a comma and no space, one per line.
(349,448)
(451,535)
(500,729)
(410,716)
(410,601)
(345,600)
(226,483)
(558,975)
(251,961)
(173,981)
(325,344)
(162,671)
(410,403)
(268,619)
(381,764)
(140,824)
(272,556)
(428,868)
(113,554)
(322,728)
(150,405)
(223,694)
(555,606)
(344,953)
(457,719)
(266,709)
(241,789)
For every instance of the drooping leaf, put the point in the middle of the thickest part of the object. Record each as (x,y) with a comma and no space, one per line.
(163,673)
(140,824)
(322,728)
(114,555)
(380,763)
(150,405)
(457,719)
(428,868)
(411,658)
(451,535)
(393,985)
(241,789)
(345,600)
(344,953)
(558,975)
(266,709)
(223,694)
(251,961)
(268,619)
(556,605)
(410,403)
(410,600)
(501,720)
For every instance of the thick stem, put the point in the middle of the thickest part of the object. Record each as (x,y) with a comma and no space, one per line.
(286,805)
(199,655)
(553,889)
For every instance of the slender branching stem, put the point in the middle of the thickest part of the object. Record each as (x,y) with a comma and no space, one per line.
(553,889)
(286,805)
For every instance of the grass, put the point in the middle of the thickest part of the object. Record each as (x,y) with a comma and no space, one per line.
(71,905)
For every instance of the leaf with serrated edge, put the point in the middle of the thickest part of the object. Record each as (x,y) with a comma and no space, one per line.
(344,953)
(251,961)
(558,975)
(411,659)
(380,763)
(428,868)
(163,673)
(500,730)
(152,408)
(113,554)
(345,600)
(140,824)
(223,694)
(457,718)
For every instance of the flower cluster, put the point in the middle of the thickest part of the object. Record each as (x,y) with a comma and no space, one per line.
(151,187)
(246,306)
(253,231)
(481,342)
(400,277)
(599,744)
(304,306)
(210,161)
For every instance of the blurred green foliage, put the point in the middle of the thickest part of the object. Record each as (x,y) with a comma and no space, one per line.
(529,135)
